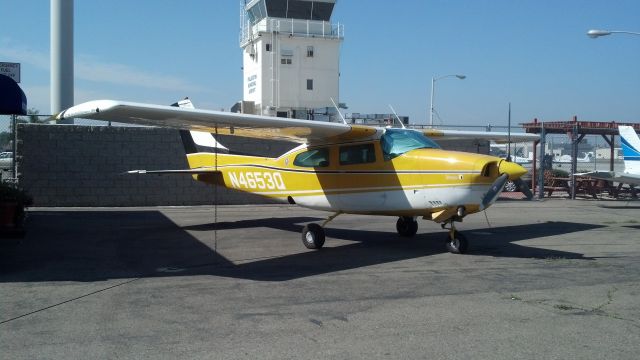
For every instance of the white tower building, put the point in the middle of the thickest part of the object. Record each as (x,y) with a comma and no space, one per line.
(291,56)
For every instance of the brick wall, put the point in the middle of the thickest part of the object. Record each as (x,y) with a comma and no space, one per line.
(69,165)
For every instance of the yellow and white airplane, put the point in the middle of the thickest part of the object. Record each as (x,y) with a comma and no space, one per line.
(340,168)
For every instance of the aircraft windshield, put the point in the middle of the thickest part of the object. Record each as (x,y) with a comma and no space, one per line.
(396,142)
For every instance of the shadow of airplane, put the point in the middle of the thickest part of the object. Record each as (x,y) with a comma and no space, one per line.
(101,245)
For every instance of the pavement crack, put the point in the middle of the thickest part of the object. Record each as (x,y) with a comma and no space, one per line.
(68,301)
(576,309)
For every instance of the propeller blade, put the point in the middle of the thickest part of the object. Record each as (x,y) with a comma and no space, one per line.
(495,190)
(524,188)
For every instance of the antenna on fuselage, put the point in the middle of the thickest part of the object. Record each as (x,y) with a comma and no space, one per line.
(338,110)
(397,117)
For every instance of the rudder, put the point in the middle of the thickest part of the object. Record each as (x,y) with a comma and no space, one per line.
(630,149)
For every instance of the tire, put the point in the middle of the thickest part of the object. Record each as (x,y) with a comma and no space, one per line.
(510,186)
(458,245)
(406,226)
(313,236)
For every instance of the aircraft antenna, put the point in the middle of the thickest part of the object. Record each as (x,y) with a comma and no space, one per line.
(338,110)
(397,117)
(509,135)
(487,217)
(215,199)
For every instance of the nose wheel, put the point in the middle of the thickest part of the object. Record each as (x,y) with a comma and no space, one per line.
(456,243)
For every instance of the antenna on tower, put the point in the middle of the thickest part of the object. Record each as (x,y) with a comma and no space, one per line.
(338,110)
(397,117)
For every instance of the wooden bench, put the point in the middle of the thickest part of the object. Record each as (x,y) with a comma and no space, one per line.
(553,183)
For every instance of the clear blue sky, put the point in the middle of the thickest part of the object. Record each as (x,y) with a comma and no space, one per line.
(532,53)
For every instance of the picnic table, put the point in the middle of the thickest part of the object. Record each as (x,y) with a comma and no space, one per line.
(586,186)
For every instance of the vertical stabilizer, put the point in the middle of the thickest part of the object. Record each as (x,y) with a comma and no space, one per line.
(630,149)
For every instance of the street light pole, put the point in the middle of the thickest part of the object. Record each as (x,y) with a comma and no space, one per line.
(597,33)
(433,81)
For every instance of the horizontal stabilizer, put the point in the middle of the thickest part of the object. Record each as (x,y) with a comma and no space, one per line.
(178,171)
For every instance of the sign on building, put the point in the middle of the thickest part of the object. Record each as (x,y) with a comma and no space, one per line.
(11,70)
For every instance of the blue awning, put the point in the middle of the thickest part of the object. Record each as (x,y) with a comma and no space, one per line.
(12,99)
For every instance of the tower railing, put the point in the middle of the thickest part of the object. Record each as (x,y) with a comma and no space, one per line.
(291,27)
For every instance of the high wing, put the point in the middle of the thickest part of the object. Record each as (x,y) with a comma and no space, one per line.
(499,137)
(225,123)
(622,177)
(265,127)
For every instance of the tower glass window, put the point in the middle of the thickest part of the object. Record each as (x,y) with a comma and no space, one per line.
(309,51)
(300,9)
(309,84)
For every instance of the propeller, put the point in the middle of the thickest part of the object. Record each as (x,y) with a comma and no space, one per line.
(524,188)
(495,190)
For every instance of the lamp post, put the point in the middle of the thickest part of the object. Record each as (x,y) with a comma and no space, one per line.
(597,33)
(433,82)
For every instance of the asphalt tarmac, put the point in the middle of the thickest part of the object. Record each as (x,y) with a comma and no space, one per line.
(557,279)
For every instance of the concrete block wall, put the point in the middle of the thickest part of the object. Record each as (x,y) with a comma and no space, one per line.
(70,165)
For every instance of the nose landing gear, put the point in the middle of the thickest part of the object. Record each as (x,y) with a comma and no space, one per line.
(456,242)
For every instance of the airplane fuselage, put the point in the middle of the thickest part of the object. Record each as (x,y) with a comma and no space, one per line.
(359,177)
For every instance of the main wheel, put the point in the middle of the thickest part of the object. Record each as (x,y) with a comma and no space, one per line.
(313,236)
(457,245)
(406,226)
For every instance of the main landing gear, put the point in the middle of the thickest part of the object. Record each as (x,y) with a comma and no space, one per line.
(406,226)
(313,234)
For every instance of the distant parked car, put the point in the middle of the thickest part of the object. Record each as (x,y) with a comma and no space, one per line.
(6,160)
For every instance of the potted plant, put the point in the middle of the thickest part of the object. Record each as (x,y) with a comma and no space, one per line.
(13,202)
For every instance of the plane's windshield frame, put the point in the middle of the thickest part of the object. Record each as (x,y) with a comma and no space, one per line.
(395,142)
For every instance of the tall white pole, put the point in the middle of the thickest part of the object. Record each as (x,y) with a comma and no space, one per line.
(61,55)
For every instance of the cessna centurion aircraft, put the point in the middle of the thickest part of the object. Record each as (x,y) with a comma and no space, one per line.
(341,168)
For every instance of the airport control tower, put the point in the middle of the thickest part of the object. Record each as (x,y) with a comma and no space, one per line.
(291,56)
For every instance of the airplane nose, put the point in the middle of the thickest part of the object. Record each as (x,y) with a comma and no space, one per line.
(512,169)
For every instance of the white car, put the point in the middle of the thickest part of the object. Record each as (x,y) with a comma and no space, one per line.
(6,160)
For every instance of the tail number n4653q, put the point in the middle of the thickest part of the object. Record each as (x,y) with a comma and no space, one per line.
(257,180)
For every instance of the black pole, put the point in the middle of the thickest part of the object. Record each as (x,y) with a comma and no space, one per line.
(541,162)
(14,148)
(509,135)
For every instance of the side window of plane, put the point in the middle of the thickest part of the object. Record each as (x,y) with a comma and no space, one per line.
(357,154)
(313,158)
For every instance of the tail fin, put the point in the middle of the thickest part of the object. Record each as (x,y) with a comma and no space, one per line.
(630,149)
(192,139)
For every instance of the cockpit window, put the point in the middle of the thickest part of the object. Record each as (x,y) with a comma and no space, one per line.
(313,158)
(396,142)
